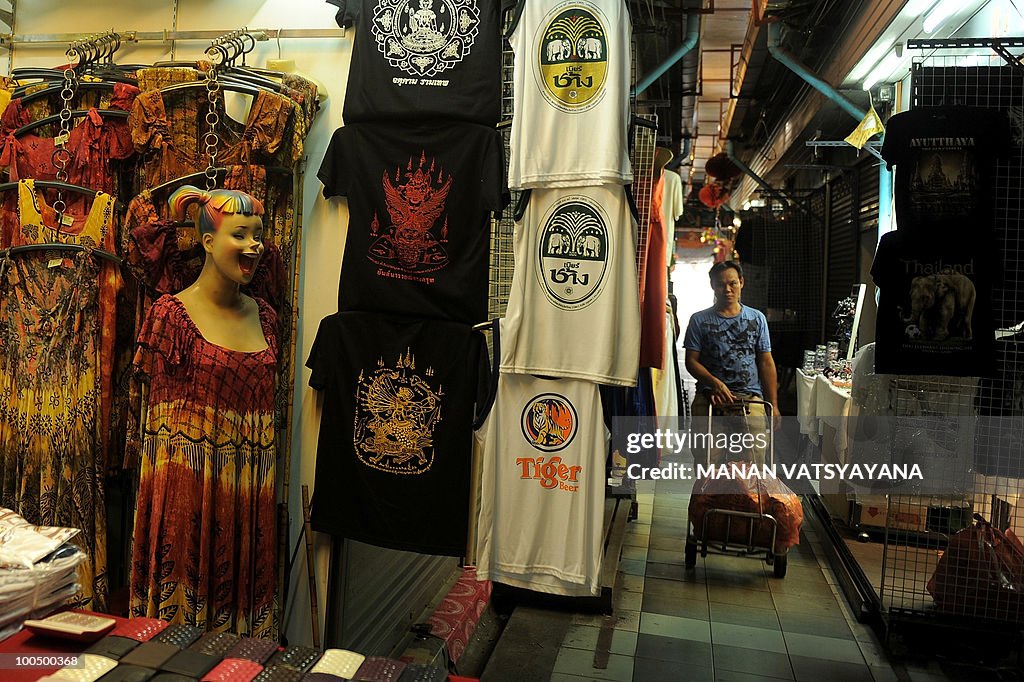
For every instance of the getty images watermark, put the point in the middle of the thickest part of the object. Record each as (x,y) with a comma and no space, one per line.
(919,453)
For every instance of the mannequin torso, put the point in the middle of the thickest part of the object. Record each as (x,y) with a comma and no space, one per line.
(236,329)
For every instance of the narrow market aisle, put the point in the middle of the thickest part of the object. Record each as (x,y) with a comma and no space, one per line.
(726,620)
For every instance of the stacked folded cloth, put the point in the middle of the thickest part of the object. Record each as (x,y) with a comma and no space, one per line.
(38,568)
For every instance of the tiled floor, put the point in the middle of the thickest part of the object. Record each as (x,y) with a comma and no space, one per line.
(727,620)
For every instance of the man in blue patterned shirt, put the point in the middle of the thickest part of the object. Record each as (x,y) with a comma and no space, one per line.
(729,352)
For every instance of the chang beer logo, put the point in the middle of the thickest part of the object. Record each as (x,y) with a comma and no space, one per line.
(574,248)
(573,58)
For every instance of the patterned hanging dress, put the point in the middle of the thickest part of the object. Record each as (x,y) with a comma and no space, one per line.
(205,526)
(55,377)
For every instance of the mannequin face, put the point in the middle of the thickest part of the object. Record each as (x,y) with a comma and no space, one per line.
(236,246)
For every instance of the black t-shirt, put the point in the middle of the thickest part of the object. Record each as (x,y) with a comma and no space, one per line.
(423,59)
(945,162)
(419,200)
(396,437)
(934,308)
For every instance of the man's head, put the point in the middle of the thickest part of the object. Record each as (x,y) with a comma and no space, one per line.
(727,283)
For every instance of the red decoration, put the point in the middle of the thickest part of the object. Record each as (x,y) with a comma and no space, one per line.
(713,195)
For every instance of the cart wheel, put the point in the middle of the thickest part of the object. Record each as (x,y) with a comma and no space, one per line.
(690,555)
(779,566)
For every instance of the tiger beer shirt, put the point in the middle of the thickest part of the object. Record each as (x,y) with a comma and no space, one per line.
(423,59)
(393,458)
(945,165)
(419,198)
(934,307)
(543,444)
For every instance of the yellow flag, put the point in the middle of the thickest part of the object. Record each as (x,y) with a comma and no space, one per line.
(868,127)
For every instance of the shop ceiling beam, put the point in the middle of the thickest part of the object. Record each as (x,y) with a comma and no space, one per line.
(782,196)
(692,35)
(260,34)
(787,59)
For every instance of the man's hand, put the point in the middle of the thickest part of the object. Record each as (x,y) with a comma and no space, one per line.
(776,416)
(720,393)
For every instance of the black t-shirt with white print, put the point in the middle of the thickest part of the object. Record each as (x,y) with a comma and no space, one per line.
(420,199)
(394,451)
(945,163)
(934,307)
(423,59)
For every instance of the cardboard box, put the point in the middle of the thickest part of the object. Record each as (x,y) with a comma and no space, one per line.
(909,512)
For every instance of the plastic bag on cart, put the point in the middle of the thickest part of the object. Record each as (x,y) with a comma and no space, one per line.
(753,495)
(981,574)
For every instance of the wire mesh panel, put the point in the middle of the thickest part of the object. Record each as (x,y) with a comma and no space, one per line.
(782,258)
(977,575)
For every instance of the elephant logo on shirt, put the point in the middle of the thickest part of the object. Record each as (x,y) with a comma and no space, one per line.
(572,48)
(425,37)
(574,248)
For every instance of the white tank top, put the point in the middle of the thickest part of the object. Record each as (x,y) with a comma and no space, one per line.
(543,445)
(571,79)
(573,308)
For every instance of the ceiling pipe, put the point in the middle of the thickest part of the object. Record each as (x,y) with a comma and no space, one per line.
(787,59)
(692,35)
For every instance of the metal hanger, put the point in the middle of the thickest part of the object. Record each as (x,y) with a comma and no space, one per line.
(57,185)
(56,118)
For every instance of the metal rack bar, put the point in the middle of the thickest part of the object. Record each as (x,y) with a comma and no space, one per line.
(871,146)
(997,45)
(962,43)
(260,34)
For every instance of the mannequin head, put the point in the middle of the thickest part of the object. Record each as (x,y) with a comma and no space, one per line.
(230,228)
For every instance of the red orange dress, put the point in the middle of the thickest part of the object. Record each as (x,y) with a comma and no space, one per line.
(205,526)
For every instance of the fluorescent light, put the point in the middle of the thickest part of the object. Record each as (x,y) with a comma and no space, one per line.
(881,71)
(869,60)
(938,16)
(916,8)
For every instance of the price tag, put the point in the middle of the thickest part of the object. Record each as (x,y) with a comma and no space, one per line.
(61,139)
(67,221)
(55,262)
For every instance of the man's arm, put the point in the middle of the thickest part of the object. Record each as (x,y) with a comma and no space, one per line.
(769,379)
(720,393)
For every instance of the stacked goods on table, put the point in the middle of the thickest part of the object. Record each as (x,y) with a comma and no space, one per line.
(37,570)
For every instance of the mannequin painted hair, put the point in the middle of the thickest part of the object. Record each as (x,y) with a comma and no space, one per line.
(213,205)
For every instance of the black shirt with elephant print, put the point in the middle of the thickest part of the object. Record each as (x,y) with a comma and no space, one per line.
(934,307)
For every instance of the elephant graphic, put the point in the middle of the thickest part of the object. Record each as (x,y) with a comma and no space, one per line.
(588,245)
(559,50)
(941,305)
(589,48)
(559,244)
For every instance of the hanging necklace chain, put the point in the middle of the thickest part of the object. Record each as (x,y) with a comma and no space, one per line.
(211,140)
(61,156)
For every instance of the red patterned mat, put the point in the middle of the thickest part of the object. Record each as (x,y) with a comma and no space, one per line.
(456,616)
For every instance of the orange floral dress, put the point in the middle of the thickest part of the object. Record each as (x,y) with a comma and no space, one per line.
(205,525)
(55,378)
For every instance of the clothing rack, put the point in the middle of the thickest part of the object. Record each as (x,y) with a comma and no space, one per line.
(15,250)
(260,34)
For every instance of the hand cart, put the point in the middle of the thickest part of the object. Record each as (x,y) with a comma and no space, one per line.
(755,521)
